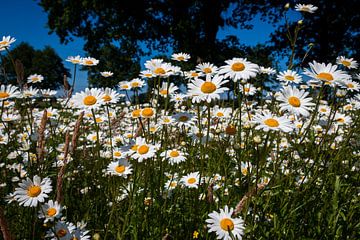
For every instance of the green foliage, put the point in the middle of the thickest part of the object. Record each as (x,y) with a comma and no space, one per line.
(45,62)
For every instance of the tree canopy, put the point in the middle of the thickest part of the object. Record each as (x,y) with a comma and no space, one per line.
(45,62)
(132,29)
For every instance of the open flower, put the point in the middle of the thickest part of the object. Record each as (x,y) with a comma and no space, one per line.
(208,90)
(222,223)
(31,192)
(267,121)
(239,69)
(88,99)
(295,101)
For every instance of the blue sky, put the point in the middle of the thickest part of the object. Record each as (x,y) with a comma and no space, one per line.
(26,21)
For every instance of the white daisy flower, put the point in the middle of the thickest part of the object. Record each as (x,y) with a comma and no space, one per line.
(6,41)
(89,99)
(326,73)
(239,69)
(295,101)
(9,91)
(120,168)
(191,180)
(50,211)
(174,156)
(142,150)
(305,8)
(289,76)
(222,223)
(34,78)
(347,62)
(31,192)
(181,57)
(267,121)
(207,68)
(107,74)
(89,61)
(208,90)
(74,60)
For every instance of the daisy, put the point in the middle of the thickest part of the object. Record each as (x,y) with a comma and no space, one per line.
(181,57)
(174,156)
(120,168)
(48,92)
(89,61)
(33,191)
(106,74)
(88,99)
(110,96)
(146,74)
(184,119)
(62,231)
(178,98)
(342,119)
(158,67)
(305,8)
(326,73)
(239,69)
(207,68)
(171,184)
(191,180)
(137,83)
(30,92)
(295,101)
(248,89)
(224,225)
(34,78)
(6,41)
(351,85)
(8,91)
(124,85)
(119,153)
(74,60)
(142,150)
(208,90)
(268,71)
(289,76)
(167,89)
(50,211)
(222,112)
(167,120)
(347,62)
(267,122)
(193,74)
(147,112)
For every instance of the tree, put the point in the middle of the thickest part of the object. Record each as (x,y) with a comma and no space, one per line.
(45,62)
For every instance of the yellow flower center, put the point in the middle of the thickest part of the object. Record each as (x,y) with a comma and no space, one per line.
(134,148)
(289,78)
(124,86)
(246,89)
(34,79)
(230,130)
(99,120)
(61,232)
(294,101)
(208,87)
(174,153)
(51,212)
(219,114)
(159,71)
(271,122)
(164,92)
(227,224)
(238,67)
(89,100)
(4,42)
(207,70)
(166,120)
(89,62)
(346,63)
(135,84)
(180,58)
(340,120)
(4,95)
(183,118)
(191,180)
(143,149)
(173,184)
(117,154)
(244,171)
(107,98)
(325,76)
(34,191)
(194,74)
(120,169)
(147,112)
(136,113)
(350,85)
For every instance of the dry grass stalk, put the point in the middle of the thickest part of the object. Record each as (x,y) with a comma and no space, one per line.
(41,137)
(60,178)
(210,193)
(247,196)
(76,132)
(19,69)
(4,227)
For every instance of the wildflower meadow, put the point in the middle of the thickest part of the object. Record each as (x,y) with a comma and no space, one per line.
(184,152)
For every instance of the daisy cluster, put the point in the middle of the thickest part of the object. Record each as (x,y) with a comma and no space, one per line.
(190,151)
